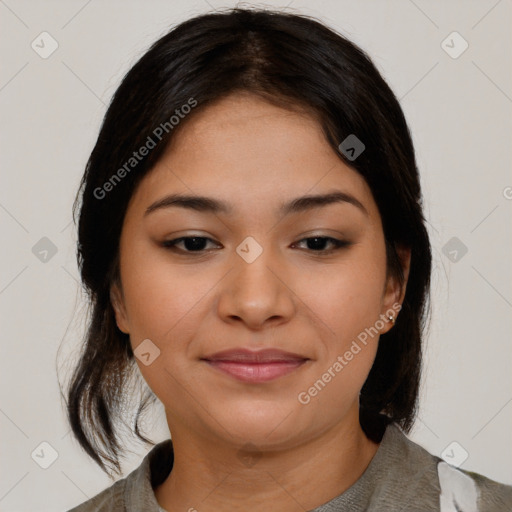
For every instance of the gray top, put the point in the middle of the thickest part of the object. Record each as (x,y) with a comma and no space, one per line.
(402,476)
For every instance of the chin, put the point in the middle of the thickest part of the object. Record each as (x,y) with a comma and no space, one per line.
(262,423)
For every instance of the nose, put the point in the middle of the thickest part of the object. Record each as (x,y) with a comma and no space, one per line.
(256,294)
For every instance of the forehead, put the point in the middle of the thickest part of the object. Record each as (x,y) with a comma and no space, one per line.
(250,152)
(246,126)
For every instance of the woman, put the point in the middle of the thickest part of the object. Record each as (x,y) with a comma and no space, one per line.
(252,239)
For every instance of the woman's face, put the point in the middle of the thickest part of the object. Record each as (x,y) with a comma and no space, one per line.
(257,278)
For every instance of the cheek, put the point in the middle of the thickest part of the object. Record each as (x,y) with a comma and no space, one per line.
(160,297)
(346,297)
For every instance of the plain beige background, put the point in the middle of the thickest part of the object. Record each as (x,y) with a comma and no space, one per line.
(459,111)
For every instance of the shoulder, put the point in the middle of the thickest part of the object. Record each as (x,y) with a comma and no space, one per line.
(432,480)
(470,491)
(135,491)
(111,499)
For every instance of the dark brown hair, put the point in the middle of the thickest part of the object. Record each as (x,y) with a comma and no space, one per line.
(290,60)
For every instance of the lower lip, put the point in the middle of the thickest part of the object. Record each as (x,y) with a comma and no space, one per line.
(256,372)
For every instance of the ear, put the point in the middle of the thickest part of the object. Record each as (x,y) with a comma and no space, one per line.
(394,291)
(117,301)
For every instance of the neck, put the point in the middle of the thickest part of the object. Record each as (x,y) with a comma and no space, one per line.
(218,479)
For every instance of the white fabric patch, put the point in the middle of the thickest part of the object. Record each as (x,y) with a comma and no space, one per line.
(459,492)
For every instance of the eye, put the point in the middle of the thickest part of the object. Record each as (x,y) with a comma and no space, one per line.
(196,244)
(191,243)
(317,244)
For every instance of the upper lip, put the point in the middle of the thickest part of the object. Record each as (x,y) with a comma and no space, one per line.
(243,355)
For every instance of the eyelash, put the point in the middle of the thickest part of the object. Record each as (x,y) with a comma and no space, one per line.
(338,244)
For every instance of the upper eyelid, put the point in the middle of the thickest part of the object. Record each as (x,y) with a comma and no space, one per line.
(333,240)
(181,238)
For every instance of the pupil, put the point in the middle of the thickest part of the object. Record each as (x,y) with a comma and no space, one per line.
(198,245)
(320,241)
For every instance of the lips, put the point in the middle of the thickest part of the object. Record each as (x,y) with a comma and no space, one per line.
(255,366)
(254,357)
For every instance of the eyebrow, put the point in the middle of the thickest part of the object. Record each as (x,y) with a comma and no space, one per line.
(297,205)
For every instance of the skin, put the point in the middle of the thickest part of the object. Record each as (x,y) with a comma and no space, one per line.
(254,155)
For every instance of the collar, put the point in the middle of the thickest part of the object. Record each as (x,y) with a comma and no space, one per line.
(154,469)
(157,464)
